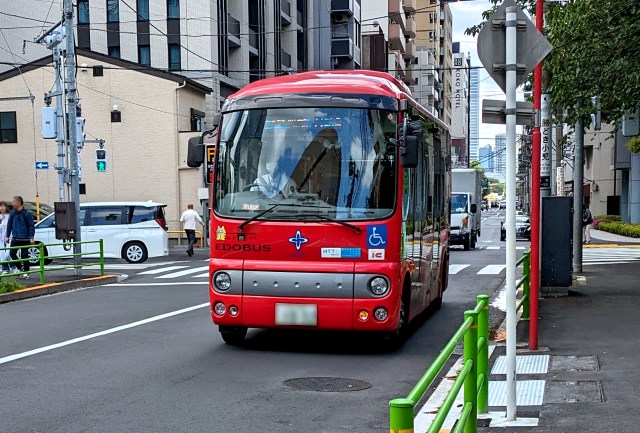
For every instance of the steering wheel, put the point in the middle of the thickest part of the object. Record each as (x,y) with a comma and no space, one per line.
(252,185)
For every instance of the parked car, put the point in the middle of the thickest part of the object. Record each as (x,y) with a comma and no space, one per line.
(133,231)
(523,228)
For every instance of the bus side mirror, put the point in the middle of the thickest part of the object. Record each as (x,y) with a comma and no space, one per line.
(409,152)
(474,208)
(195,152)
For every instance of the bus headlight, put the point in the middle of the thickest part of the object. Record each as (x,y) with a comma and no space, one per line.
(378,286)
(222,281)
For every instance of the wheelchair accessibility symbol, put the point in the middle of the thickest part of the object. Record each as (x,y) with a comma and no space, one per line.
(377,236)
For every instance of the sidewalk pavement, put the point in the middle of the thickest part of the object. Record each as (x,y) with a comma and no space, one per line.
(606,237)
(590,381)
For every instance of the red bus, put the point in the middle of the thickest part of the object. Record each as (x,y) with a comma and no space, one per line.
(330,206)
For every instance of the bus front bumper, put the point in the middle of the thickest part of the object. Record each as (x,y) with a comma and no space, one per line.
(305,313)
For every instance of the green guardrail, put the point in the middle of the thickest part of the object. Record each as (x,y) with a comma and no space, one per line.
(473,377)
(42,258)
(524,282)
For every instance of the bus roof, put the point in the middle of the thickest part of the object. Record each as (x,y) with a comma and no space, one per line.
(357,81)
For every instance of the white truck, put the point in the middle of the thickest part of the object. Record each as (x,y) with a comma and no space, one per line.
(466,198)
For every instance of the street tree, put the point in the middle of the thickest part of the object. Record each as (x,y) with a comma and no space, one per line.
(596,53)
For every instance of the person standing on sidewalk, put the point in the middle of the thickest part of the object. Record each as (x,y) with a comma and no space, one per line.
(4,220)
(587,220)
(20,232)
(188,220)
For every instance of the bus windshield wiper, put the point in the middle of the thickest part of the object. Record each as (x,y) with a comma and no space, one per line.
(355,228)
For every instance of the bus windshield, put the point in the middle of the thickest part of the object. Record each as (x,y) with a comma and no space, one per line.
(300,162)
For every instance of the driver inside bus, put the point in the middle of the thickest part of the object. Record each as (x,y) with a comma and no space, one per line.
(273,179)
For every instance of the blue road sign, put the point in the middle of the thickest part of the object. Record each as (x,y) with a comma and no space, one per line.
(42,165)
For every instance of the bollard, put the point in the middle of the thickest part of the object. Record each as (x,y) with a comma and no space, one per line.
(483,354)
(401,415)
(101,257)
(526,269)
(41,262)
(471,381)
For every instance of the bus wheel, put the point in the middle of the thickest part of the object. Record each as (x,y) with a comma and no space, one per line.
(232,335)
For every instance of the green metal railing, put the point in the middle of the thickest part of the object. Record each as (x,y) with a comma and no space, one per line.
(525,261)
(473,377)
(42,259)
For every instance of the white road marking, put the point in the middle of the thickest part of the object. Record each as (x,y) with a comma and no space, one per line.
(100,334)
(185,272)
(454,269)
(493,247)
(492,269)
(205,275)
(161,270)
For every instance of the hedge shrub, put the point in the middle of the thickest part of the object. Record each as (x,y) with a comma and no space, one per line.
(620,228)
(604,218)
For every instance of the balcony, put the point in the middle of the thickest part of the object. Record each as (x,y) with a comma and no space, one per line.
(342,48)
(409,5)
(396,38)
(253,42)
(345,6)
(233,31)
(285,59)
(396,13)
(410,52)
(285,12)
(410,28)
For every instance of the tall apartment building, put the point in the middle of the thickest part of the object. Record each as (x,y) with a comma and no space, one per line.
(223,44)
(388,32)
(434,30)
(486,158)
(474,115)
(500,155)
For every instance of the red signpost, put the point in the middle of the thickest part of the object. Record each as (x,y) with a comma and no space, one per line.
(535,196)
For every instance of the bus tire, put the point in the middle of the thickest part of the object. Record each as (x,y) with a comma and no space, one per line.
(233,336)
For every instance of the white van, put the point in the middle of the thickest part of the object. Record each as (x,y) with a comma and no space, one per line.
(133,231)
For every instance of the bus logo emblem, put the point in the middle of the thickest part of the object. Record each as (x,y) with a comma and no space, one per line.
(221,233)
(298,240)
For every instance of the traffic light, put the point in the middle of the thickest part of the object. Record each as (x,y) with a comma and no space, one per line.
(101,160)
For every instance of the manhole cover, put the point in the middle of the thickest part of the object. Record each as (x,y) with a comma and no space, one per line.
(573,392)
(573,363)
(327,384)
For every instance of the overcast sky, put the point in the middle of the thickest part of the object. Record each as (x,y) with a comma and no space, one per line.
(465,14)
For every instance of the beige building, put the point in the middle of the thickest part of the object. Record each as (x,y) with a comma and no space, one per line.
(434,32)
(146,149)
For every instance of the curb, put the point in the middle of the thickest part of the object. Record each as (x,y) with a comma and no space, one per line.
(51,288)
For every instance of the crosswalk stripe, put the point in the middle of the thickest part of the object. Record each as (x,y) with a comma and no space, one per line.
(205,275)
(185,272)
(491,270)
(161,270)
(493,248)
(454,269)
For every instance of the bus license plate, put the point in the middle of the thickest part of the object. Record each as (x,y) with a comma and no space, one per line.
(297,314)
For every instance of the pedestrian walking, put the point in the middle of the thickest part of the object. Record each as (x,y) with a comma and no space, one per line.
(4,220)
(20,232)
(188,220)
(587,220)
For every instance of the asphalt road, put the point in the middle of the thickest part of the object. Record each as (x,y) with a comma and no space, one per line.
(145,372)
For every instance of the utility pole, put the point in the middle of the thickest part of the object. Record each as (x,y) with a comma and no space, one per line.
(72,101)
(578,175)
(60,137)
